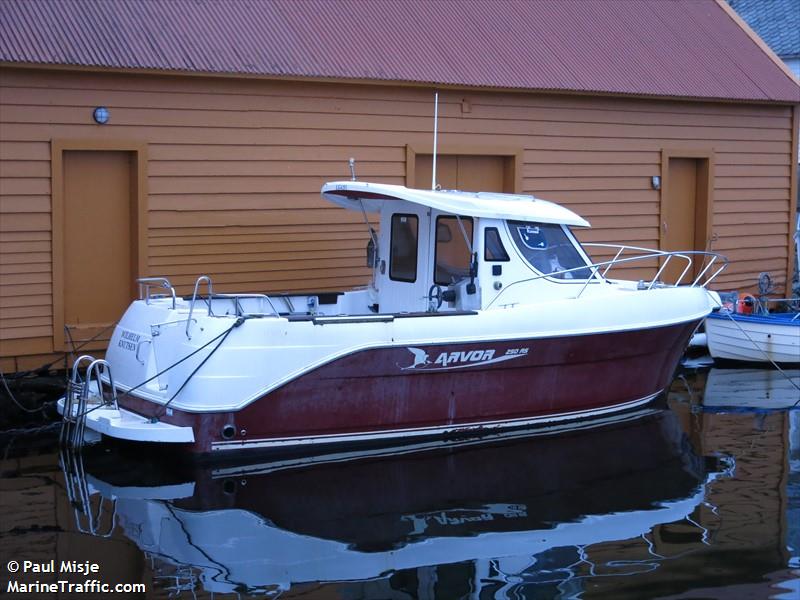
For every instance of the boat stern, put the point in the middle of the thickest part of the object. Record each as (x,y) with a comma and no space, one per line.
(114,421)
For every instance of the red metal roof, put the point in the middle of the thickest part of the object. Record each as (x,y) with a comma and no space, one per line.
(682,48)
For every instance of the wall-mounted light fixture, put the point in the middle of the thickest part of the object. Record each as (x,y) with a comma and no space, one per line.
(655,181)
(101,115)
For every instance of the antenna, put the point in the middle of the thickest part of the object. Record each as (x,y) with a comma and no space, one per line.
(352,162)
(435,132)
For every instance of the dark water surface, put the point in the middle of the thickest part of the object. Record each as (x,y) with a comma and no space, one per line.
(697,498)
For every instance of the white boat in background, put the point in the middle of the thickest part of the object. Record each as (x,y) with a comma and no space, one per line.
(483,312)
(761,337)
(763,389)
(759,328)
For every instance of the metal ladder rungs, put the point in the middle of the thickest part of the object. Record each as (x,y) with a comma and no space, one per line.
(79,395)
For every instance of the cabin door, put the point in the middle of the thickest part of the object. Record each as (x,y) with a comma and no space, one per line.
(406,278)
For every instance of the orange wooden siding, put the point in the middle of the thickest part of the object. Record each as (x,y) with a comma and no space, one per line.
(235,167)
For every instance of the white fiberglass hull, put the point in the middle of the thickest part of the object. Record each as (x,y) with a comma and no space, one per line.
(236,384)
(753,338)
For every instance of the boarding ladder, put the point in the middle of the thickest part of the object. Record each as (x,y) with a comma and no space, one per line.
(85,394)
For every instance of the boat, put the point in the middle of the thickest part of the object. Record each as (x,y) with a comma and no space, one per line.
(760,328)
(748,331)
(257,528)
(483,312)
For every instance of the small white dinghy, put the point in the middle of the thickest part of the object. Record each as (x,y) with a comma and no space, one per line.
(758,335)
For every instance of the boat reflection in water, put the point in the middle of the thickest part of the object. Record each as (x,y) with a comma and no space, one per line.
(759,389)
(510,512)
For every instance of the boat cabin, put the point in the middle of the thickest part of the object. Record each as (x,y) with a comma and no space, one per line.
(453,251)
(441,252)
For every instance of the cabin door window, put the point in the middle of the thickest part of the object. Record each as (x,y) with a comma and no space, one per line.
(452,252)
(404,248)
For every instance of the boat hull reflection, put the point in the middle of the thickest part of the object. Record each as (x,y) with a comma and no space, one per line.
(262,526)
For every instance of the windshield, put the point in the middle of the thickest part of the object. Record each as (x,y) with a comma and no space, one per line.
(548,249)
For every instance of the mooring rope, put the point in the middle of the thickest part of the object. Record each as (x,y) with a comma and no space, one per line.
(222,335)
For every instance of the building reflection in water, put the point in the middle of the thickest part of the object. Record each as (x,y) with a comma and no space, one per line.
(755,542)
(670,503)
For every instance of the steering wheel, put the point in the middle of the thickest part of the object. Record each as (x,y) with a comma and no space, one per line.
(435,296)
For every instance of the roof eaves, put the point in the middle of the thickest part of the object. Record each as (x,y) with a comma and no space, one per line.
(385,81)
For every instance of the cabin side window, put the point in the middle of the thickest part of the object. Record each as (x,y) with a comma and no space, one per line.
(403,257)
(493,249)
(548,249)
(452,252)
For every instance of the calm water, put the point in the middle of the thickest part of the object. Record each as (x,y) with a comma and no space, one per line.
(699,498)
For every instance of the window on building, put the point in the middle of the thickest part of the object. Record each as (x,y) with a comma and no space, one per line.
(403,257)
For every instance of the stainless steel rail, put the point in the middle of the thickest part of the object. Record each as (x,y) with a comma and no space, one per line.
(600,269)
(235,298)
(237,307)
(145,283)
(649,253)
(197,283)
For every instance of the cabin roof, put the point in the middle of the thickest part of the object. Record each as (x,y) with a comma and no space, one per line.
(516,207)
(685,49)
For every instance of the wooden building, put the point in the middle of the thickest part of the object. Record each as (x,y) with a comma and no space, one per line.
(225,118)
